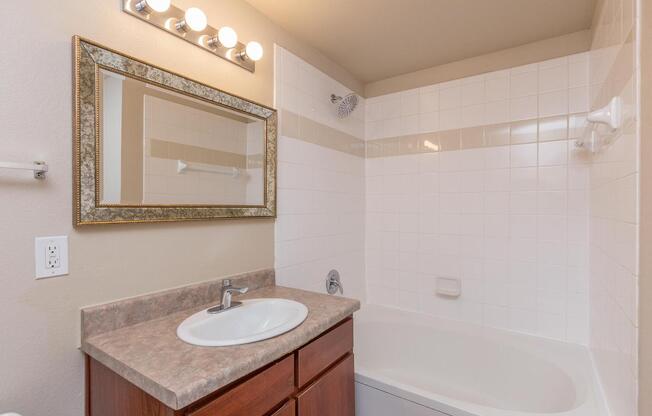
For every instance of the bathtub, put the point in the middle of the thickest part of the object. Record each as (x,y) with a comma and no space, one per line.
(409,364)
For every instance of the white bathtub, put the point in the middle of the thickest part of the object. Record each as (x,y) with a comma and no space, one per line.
(409,364)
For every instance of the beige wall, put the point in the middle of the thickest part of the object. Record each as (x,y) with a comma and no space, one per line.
(645,284)
(41,370)
(507,58)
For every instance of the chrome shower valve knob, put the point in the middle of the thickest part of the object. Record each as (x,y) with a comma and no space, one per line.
(333,283)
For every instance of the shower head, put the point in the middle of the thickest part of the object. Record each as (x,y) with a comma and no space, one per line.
(345,105)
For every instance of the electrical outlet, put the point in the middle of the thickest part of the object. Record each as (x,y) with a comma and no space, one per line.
(51,255)
(52,248)
(52,262)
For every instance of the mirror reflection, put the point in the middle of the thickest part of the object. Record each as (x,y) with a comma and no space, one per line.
(159,147)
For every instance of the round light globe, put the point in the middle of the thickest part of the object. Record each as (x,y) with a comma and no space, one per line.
(254,51)
(159,6)
(227,37)
(196,19)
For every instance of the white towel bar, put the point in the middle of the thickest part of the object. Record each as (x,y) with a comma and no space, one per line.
(183,166)
(39,168)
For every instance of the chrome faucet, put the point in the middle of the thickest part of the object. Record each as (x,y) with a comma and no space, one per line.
(227,292)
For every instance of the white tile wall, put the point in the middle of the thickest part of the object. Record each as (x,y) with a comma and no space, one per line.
(320,224)
(614,202)
(162,184)
(512,230)
(614,273)
(511,222)
(166,120)
(614,268)
(303,89)
(549,88)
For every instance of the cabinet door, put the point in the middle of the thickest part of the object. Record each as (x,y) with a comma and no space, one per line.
(287,409)
(333,394)
(323,352)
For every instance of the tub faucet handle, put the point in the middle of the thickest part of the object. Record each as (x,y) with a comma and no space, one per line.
(333,283)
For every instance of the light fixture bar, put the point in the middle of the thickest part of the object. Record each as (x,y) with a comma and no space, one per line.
(168,20)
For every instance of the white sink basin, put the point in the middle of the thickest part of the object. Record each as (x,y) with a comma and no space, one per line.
(255,320)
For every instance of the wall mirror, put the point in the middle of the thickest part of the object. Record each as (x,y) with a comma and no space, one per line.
(151,145)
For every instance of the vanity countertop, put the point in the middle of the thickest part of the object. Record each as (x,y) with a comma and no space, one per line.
(149,354)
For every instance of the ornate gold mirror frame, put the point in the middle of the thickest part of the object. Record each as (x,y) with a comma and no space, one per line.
(89,59)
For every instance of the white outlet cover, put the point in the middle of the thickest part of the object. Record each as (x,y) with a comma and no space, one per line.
(41,254)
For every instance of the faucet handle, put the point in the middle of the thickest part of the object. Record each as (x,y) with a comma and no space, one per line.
(228,287)
(333,283)
(227,293)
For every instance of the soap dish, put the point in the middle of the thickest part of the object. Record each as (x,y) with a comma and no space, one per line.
(449,287)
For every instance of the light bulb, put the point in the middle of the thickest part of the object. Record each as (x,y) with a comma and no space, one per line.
(254,51)
(195,19)
(159,6)
(227,37)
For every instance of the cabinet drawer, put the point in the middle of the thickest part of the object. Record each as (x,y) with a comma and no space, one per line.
(255,396)
(324,351)
(333,394)
(288,409)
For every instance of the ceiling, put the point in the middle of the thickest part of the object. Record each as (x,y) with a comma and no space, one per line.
(378,39)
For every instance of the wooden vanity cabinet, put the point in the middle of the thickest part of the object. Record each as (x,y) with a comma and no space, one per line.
(315,380)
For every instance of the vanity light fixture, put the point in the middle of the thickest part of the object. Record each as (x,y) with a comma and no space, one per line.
(148,6)
(226,37)
(194,19)
(192,26)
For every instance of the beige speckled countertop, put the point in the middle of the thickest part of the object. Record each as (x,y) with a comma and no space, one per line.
(150,355)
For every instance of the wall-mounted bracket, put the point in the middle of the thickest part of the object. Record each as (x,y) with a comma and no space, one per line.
(589,141)
(611,114)
(601,126)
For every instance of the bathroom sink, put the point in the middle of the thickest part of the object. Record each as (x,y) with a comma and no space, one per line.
(255,320)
